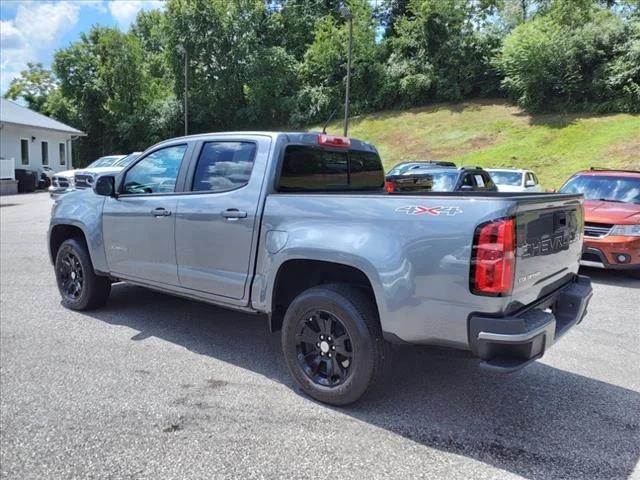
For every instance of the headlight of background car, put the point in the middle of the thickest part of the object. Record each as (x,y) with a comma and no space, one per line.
(626,230)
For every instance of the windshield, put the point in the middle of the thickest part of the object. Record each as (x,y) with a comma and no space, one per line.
(507,178)
(401,168)
(613,189)
(126,161)
(443,181)
(105,161)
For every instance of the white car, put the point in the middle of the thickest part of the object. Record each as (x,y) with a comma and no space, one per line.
(66,180)
(511,180)
(85,177)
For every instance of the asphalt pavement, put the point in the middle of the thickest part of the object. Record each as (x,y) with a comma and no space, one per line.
(157,387)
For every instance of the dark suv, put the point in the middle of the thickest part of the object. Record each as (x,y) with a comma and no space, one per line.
(441,179)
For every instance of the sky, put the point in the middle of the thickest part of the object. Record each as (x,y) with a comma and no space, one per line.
(32,30)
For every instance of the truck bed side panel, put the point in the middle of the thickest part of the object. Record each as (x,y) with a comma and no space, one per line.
(415,252)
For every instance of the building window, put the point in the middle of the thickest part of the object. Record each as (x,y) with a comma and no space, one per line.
(24,151)
(45,153)
(63,154)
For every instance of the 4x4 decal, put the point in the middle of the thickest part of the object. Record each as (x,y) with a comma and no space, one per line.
(433,211)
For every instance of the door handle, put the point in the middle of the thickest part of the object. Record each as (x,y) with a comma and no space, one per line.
(160,212)
(234,214)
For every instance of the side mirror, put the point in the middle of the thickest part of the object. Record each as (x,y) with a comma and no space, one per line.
(466,188)
(105,186)
(529,183)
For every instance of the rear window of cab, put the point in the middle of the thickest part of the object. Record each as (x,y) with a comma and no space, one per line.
(307,168)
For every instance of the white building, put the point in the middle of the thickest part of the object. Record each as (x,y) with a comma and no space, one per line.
(29,140)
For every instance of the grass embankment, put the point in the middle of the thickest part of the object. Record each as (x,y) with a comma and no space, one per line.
(496,134)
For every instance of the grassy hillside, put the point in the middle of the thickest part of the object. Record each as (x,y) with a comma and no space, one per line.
(495,134)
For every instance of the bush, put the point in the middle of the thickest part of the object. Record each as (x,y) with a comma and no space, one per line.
(553,62)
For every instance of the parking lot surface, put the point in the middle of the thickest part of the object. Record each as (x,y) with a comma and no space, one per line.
(153,386)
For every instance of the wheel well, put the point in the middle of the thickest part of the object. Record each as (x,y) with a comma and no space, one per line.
(59,234)
(296,276)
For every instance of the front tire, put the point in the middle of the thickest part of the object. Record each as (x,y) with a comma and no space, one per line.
(333,344)
(79,286)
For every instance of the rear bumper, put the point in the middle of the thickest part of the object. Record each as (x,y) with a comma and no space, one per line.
(510,343)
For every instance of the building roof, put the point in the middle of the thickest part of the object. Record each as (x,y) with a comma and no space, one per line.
(14,114)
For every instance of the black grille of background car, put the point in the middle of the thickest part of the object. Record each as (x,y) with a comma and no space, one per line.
(60,182)
(597,230)
(84,181)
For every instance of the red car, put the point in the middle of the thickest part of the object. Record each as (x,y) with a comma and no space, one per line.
(611,217)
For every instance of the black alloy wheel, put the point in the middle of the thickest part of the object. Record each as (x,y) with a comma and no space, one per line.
(70,276)
(324,348)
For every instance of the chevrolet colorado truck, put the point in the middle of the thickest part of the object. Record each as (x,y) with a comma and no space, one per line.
(298,227)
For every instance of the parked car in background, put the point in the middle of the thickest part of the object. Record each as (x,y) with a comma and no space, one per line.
(297,226)
(441,179)
(45,176)
(85,178)
(409,166)
(27,180)
(612,217)
(65,180)
(512,180)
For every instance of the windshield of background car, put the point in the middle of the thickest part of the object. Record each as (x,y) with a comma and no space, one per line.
(507,178)
(401,168)
(616,189)
(443,181)
(126,161)
(104,162)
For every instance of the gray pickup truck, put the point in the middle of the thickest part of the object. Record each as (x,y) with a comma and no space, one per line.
(298,227)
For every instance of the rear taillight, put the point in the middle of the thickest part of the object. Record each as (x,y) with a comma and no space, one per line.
(389,187)
(334,141)
(493,258)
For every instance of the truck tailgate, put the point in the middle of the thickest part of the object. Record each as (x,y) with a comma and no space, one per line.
(549,231)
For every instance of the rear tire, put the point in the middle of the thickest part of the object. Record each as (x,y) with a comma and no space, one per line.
(79,286)
(332,343)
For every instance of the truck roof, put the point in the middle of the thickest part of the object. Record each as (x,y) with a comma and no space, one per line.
(310,138)
(604,172)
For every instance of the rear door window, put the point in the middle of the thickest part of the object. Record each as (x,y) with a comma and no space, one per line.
(224,166)
(307,168)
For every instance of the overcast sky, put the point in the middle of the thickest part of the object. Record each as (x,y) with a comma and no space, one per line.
(31,30)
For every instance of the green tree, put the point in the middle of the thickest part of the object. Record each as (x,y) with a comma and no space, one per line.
(447,47)
(323,70)
(105,78)
(34,85)
(572,58)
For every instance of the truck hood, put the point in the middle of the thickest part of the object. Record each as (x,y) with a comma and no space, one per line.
(597,211)
(65,173)
(100,170)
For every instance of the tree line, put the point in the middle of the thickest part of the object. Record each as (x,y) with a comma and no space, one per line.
(259,64)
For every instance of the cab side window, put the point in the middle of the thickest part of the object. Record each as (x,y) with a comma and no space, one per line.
(224,166)
(155,173)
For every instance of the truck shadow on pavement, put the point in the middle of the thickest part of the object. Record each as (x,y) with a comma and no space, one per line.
(541,423)
(614,278)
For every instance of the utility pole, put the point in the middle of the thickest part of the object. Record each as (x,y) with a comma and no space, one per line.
(184,52)
(186,95)
(346,14)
